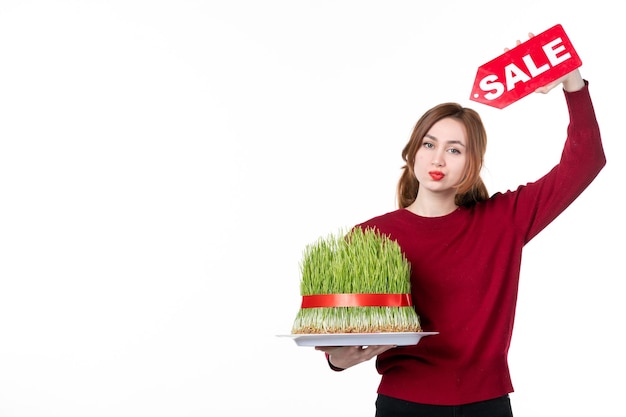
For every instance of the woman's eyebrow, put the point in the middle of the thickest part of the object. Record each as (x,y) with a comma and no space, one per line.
(450,142)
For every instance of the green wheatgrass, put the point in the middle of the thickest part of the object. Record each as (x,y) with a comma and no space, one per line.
(357,262)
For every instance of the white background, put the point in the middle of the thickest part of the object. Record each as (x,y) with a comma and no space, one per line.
(164,163)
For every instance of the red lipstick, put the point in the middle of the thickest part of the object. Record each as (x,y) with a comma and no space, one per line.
(436,175)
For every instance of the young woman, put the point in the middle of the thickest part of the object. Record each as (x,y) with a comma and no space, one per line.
(465,249)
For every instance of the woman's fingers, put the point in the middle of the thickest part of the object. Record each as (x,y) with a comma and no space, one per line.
(518,42)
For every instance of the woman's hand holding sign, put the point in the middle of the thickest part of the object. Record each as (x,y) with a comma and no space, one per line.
(537,65)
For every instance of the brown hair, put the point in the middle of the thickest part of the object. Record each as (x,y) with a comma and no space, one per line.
(471,189)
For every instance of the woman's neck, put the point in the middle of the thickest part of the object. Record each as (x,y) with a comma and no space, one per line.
(432,205)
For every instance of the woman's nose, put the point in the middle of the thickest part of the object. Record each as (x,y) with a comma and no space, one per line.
(438,160)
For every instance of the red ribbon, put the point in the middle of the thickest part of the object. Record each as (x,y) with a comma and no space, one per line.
(356,300)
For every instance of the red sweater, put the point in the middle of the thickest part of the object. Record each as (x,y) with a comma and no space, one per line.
(465,271)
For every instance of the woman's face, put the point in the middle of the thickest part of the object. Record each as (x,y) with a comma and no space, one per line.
(440,160)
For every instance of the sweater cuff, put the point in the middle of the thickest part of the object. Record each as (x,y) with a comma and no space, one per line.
(582,94)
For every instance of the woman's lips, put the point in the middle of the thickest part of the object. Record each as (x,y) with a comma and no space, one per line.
(436,175)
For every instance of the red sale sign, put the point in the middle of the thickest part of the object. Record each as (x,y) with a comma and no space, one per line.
(520,71)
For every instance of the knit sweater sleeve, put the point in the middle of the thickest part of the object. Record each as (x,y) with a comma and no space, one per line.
(537,204)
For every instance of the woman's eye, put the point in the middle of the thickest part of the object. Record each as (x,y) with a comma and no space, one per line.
(428,145)
(454,151)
